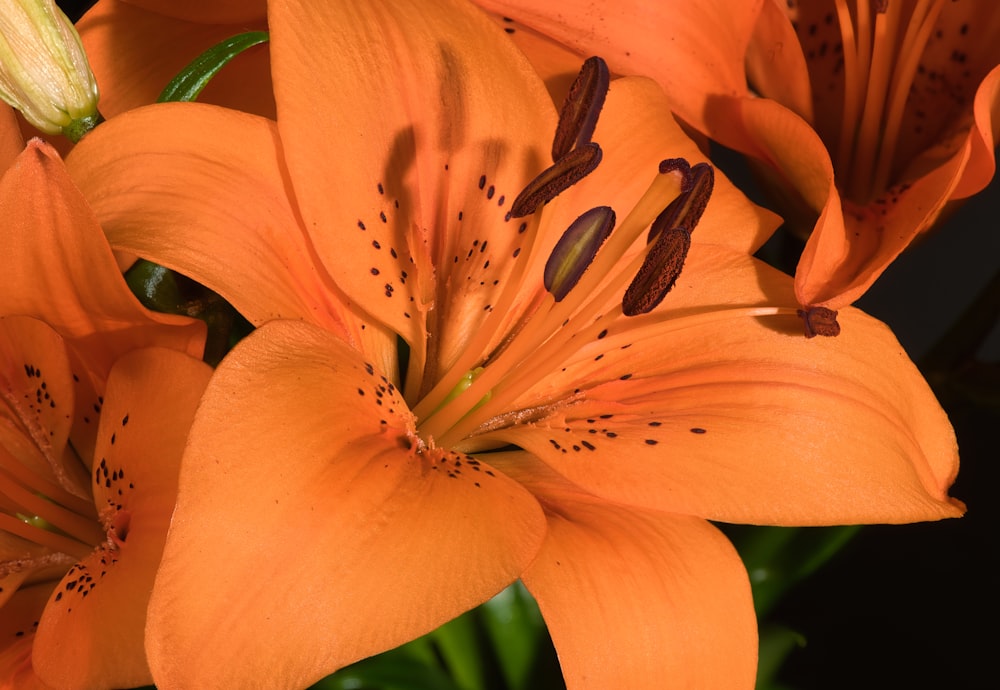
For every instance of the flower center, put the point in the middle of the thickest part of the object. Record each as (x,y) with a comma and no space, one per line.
(40,511)
(593,277)
(882,47)
(35,503)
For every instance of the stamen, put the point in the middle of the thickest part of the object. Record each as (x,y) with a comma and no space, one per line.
(576,249)
(553,181)
(659,271)
(918,33)
(583,104)
(686,210)
(820,321)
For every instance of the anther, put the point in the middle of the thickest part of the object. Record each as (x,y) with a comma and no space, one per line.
(576,249)
(583,105)
(658,272)
(686,210)
(553,181)
(820,321)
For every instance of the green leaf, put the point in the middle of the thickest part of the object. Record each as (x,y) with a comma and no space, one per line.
(458,642)
(514,625)
(776,643)
(398,669)
(777,558)
(192,79)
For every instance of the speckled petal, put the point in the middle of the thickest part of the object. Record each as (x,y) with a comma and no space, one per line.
(715,406)
(91,633)
(332,534)
(405,151)
(58,267)
(17,625)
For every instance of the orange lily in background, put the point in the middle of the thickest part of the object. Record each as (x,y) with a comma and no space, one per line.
(335,502)
(874,116)
(136,47)
(78,558)
(68,380)
(57,267)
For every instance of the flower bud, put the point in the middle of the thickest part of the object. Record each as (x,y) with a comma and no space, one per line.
(44,72)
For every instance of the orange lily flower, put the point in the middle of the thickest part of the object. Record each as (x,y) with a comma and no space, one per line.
(136,47)
(875,115)
(557,441)
(75,577)
(58,267)
(68,382)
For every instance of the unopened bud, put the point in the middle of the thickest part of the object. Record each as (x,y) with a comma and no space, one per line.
(44,72)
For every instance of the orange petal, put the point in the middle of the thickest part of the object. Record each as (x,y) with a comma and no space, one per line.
(636,131)
(312,529)
(134,52)
(207,11)
(744,419)
(450,125)
(636,598)
(91,633)
(695,50)
(58,267)
(212,205)
(847,253)
(37,383)
(556,64)
(982,136)
(776,66)
(20,615)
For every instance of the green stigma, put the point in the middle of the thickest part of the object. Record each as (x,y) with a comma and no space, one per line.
(463,385)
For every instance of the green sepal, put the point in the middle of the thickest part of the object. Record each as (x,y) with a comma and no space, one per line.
(192,79)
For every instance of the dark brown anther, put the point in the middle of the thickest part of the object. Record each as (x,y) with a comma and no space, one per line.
(820,321)
(681,165)
(576,249)
(583,104)
(686,210)
(553,181)
(658,273)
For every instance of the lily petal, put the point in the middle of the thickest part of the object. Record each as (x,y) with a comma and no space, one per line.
(636,598)
(58,267)
(136,48)
(725,412)
(457,134)
(101,602)
(208,12)
(37,388)
(636,131)
(401,539)
(20,616)
(696,53)
(215,199)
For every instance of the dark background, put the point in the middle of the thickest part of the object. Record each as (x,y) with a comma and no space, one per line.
(914,606)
